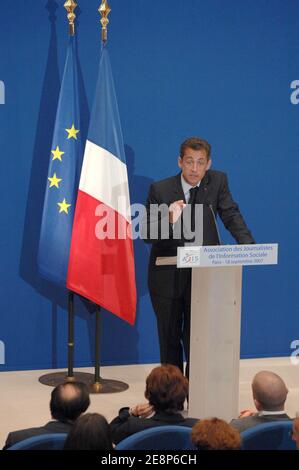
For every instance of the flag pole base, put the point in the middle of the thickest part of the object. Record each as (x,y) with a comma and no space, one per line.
(56,378)
(96,387)
(108,386)
(102,386)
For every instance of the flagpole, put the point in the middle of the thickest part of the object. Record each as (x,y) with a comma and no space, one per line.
(70,6)
(104,11)
(97,386)
(71,341)
(57,378)
(103,385)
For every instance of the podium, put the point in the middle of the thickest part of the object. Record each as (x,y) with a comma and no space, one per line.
(216,298)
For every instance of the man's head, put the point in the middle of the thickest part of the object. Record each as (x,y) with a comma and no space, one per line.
(166,388)
(295,430)
(69,401)
(269,391)
(194,159)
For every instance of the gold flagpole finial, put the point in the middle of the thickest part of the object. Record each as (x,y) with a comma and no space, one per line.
(70,6)
(104,11)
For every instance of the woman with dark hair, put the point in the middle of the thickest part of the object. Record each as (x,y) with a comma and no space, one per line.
(90,432)
(166,391)
(215,434)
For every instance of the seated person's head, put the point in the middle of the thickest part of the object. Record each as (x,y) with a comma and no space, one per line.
(215,434)
(166,388)
(90,432)
(269,391)
(68,401)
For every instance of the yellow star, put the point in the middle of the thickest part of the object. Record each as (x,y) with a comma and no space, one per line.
(57,154)
(63,206)
(54,181)
(72,132)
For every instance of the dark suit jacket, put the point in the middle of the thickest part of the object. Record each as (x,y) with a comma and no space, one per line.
(124,424)
(49,428)
(168,281)
(250,421)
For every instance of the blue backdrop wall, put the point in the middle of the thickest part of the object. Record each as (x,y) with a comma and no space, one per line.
(221,69)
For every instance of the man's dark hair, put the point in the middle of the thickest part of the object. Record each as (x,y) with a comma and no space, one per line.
(90,432)
(69,400)
(195,143)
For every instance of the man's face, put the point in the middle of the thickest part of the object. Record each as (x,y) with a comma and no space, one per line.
(295,432)
(194,165)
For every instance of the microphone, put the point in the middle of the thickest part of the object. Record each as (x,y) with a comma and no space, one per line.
(215,221)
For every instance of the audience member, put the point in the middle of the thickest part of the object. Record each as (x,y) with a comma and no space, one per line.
(68,402)
(295,430)
(90,432)
(166,391)
(215,434)
(269,394)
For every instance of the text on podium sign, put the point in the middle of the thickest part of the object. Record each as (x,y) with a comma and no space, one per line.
(227,255)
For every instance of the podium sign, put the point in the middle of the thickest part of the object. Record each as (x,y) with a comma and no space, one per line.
(227,255)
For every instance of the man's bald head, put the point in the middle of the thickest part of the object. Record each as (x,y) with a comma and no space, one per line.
(69,401)
(269,391)
(69,391)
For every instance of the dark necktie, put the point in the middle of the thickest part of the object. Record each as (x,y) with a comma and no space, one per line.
(192,200)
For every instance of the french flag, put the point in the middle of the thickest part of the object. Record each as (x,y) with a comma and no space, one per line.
(101,263)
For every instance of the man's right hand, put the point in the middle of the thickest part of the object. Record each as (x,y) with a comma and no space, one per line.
(175,210)
(246,413)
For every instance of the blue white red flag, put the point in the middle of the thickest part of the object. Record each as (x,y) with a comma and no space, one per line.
(101,264)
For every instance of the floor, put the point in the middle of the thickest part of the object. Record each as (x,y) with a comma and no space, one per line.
(25,402)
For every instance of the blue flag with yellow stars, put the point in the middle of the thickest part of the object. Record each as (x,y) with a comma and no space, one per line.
(63,176)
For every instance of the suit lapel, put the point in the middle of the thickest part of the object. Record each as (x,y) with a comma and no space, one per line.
(178,189)
(203,189)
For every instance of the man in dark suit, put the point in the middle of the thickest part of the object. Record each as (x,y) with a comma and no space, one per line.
(269,394)
(68,402)
(169,287)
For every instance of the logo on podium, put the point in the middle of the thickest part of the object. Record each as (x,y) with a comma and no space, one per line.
(189,257)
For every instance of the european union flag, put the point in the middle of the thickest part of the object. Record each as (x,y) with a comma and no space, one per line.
(63,176)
